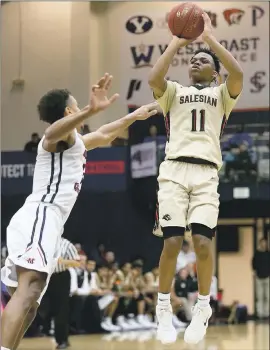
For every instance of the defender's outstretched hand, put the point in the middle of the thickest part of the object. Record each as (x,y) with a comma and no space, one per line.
(146,111)
(99,96)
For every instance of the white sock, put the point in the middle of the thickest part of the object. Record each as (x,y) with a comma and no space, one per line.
(164,299)
(2,348)
(203,300)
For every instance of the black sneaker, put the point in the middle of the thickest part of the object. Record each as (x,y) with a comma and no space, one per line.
(62,346)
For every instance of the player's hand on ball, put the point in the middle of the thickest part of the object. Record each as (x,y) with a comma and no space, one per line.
(181,42)
(208,30)
(146,111)
(99,96)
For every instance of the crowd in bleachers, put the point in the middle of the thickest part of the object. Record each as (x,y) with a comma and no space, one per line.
(106,296)
(245,151)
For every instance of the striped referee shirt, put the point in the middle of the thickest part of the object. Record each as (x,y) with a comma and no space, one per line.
(68,252)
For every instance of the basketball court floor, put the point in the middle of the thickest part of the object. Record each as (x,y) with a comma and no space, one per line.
(242,337)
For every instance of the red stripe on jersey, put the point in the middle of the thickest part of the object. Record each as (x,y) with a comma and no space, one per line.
(223,124)
(167,125)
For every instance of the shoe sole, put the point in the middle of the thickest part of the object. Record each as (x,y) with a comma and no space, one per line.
(167,342)
(193,342)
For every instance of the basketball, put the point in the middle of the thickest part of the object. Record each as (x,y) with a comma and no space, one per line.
(186,21)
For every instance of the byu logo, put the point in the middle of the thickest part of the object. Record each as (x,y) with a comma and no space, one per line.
(139,24)
(142,55)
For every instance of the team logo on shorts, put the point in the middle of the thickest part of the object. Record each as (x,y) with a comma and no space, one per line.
(167,217)
(30,261)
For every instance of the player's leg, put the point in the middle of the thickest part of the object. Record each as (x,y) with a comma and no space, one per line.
(173,203)
(30,286)
(109,313)
(202,241)
(27,322)
(202,217)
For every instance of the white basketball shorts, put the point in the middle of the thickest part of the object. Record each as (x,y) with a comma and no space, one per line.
(187,194)
(33,242)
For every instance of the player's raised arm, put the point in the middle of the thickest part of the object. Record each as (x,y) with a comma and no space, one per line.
(234,81)
(157,74)
(62,128)
(107,133)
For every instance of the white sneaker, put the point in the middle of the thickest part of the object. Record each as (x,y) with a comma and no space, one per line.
(144,322)
(177,323)
(112,326)
(122,323)
(105,326)
(196,331)
(149,320)
(132,322)
(166,332)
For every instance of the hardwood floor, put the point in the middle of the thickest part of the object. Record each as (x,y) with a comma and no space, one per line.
(242,337)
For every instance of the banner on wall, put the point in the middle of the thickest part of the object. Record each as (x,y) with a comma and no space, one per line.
(143,160)
(105,170)
(240,27)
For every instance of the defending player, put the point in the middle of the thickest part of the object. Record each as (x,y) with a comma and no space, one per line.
(188,178)
(34,232)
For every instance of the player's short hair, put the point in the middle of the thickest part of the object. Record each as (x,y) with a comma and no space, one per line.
(213,55)
(51,106)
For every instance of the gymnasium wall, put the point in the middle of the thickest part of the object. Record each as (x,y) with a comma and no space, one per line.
(66,44)
(48,44)
(235,272)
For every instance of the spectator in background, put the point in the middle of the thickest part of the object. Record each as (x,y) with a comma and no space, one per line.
(151,289)
(230,159)
(239,159)
(31,146)
(109,258)
(98,253)
(185,257)
(261,268)
(180,291)
(80,251)
(239,138)
(245,158)
(107,301)
(137,287)
(79,290)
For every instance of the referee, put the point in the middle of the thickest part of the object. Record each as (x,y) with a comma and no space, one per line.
(58,292)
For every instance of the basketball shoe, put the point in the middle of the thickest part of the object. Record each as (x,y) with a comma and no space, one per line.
(196,331)
(166,332)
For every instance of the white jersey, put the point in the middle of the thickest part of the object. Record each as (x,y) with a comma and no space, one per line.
(195,119)
(58,177)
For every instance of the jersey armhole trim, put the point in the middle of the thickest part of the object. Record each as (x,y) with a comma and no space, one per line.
(43,138)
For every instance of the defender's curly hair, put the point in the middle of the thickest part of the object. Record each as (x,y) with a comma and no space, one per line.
(51,106)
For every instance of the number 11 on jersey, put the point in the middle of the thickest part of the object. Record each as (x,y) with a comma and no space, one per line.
(194,119)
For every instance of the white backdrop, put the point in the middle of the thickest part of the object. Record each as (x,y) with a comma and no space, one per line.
(243,28)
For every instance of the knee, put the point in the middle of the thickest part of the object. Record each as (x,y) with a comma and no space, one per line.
(31,291)
(172,247)
(203,247)
(35,289)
